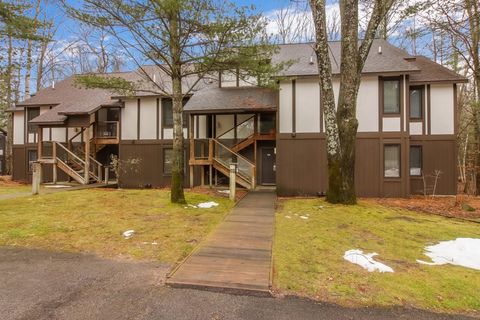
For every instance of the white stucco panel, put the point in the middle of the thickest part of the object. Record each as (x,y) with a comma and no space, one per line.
(441,109)
(202,127)
(18,127)
(129,120)
(285,107)
(307,113)
(416,128)
(367,105)
(148,118)
(391,124)
(59,134)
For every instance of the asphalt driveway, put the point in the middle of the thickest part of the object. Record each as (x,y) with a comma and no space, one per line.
(37,284)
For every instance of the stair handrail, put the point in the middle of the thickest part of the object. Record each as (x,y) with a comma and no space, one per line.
(233,152)
(69,152)
(249,174)
(234,127)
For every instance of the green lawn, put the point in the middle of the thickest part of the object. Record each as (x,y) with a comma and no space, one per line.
(94,220)
(308,256)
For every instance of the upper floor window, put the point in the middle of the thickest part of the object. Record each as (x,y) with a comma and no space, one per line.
(167,113)
(416,102)
(31,114)
(391,96)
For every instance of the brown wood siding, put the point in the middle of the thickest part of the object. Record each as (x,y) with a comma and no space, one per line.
(367,164)
(79,121)
(436,155)
(149,171)
(301,166)
(19,163)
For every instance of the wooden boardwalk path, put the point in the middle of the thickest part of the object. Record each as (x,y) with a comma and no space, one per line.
(237,255)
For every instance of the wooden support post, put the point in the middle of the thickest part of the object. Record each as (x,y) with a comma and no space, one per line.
(210,175)
(233,175)
(192,146)
(36,177)
(39,142)
(54,156)
(86,175)
(107,172)
(210,150)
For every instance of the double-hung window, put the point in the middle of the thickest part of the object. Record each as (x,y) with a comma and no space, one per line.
(391,159)
(415,161)
(391,96)
(416,103)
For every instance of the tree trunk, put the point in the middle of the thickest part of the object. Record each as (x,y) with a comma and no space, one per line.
(8,80)
(342,187)
(341,125)
(28,66)
(177,194)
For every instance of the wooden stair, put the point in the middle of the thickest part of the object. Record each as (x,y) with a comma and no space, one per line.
(244,143)
(226,171)
(74,166)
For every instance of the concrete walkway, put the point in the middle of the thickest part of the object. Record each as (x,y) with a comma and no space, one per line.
(237,256)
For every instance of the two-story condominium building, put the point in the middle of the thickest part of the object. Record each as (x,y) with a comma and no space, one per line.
(406,111)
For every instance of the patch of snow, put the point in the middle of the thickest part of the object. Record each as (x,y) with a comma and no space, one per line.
(207,205)
(463,252)
(366,261)
(56,186)
(304,217)
(128,234)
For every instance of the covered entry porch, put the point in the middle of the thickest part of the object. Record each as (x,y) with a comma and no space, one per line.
(77,149)
(233,126)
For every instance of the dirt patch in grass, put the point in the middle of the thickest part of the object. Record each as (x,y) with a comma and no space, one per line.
(7,186)
(460,206)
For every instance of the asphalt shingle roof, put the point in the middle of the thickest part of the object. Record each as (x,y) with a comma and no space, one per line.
(232,99)
(68,99)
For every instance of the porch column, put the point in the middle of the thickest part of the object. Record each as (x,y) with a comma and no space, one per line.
(54,157)
(38,163)
(86,139)
(192,146)
(39,142)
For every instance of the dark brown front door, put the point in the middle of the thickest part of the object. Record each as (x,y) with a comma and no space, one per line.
(268,165)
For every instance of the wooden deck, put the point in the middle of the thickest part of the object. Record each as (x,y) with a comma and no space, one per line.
(237,256)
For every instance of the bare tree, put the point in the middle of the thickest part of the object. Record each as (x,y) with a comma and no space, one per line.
(186,39)
(341,123)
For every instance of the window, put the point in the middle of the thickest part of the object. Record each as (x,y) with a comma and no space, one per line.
(32,157)
(391,161)
(416,102)
(167,113)
(416,161)
(31,114)
(167,161)
(267,123)
(391,96)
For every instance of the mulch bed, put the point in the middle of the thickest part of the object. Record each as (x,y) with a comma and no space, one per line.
(460,206)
